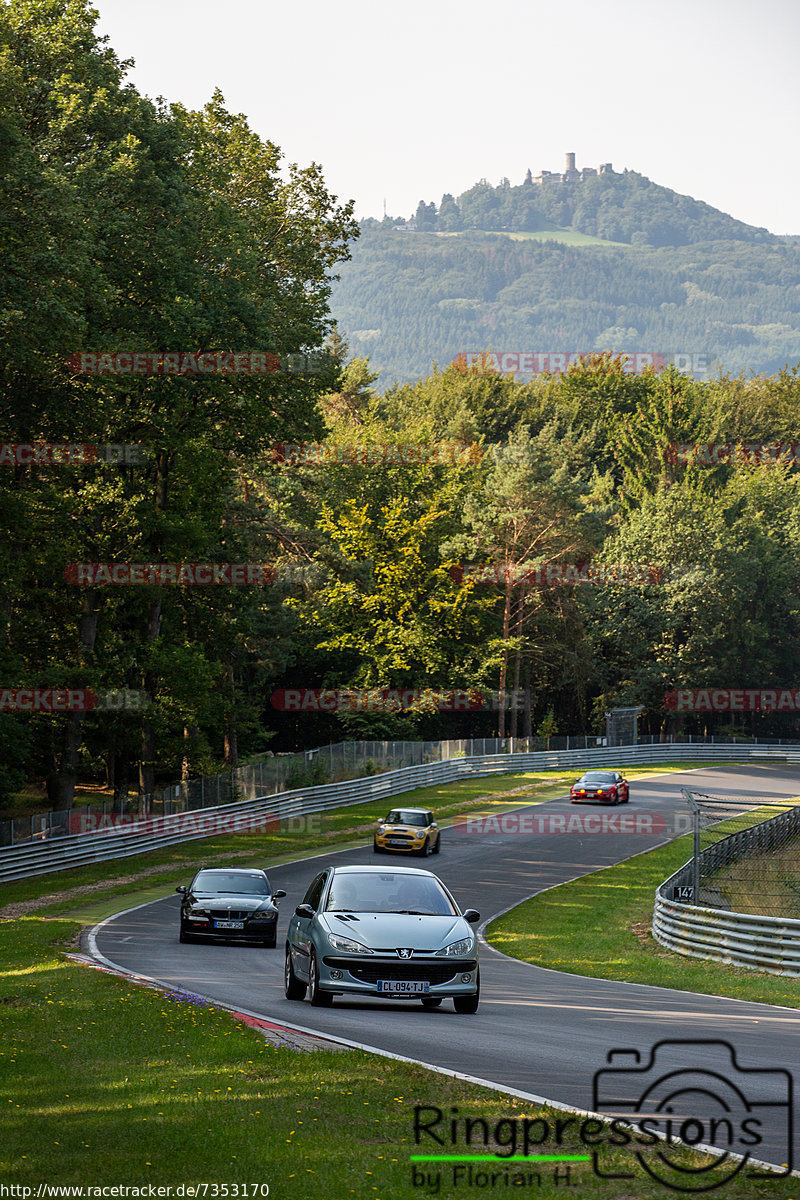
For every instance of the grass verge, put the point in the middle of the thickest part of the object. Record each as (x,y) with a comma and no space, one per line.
(106,1083)
(599,926)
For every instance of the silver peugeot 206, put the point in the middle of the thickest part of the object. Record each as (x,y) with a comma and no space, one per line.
(396,934)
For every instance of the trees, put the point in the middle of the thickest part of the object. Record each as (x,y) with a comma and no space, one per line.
(534,508)
(150,229)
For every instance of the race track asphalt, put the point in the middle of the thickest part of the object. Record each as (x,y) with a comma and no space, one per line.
(538,1031)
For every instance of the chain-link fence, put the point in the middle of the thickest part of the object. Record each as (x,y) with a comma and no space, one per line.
(746,855)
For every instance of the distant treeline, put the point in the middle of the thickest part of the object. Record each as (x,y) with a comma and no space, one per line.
(620,207)
(410,299)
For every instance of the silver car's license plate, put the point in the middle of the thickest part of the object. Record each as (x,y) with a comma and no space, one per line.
(404,987)
(229,924)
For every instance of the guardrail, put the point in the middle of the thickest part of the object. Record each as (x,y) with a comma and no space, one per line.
(759,942)
(61,851)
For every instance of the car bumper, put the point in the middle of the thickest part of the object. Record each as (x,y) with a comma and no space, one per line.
(593,799)
(252,932)
(402,848)
(341,973)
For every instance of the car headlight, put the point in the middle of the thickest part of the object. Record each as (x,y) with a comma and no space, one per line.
(263,916)
(459,949)
(197,912)
(347,944)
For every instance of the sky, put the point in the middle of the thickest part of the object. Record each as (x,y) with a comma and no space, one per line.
(403,102)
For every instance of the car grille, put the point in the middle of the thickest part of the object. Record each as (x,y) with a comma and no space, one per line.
(371,972)
(230,914)
(404,837)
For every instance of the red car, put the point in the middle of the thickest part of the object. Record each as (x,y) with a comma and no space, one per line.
(600,787)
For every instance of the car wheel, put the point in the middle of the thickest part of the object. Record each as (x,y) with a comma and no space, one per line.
(271,943)
(438,845)
(468,1004)
(293,987)
(627,796)
(316,995)
(431,1001)
(426,849)
(184,936)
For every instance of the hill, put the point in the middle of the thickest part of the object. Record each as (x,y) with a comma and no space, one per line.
(612,262)
(615,206)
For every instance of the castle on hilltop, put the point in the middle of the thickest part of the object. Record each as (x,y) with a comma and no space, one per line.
(571,173)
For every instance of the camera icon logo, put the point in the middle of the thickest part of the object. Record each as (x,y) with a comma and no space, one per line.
(693,1092)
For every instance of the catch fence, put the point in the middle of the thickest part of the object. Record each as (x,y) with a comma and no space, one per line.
(737,899)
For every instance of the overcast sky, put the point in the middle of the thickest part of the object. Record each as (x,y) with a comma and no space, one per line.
(404,101)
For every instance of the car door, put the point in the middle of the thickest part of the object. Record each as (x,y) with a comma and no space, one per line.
(300,928)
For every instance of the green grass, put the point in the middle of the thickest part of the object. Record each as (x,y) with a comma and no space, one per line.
(569,237)
(103,1083)
(599,926)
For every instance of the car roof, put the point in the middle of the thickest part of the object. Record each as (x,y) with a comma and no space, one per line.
(387,870)
(233,870)
(407,808)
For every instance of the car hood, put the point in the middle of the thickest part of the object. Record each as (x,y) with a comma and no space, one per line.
(388,931)
(217,900)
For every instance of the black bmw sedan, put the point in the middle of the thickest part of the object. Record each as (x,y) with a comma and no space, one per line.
(230,902)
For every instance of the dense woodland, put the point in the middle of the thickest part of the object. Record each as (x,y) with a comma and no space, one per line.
(132,227)
(677,276)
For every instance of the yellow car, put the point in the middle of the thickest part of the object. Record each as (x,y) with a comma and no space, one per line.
(407,831)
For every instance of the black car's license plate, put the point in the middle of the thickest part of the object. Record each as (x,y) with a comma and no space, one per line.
(403,987)
(229,924)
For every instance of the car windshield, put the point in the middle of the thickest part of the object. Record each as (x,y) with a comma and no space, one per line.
(387,892)
(400,816)
(239,883)
(598,777)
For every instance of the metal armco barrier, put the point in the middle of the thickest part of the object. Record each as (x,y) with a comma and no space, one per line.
(762,943)
(101,845)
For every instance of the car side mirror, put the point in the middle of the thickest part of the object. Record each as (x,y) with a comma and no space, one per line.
(277,895)
(472,915)
(304,910)
(181,889)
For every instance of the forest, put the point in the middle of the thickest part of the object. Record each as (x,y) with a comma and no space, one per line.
(612,263)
